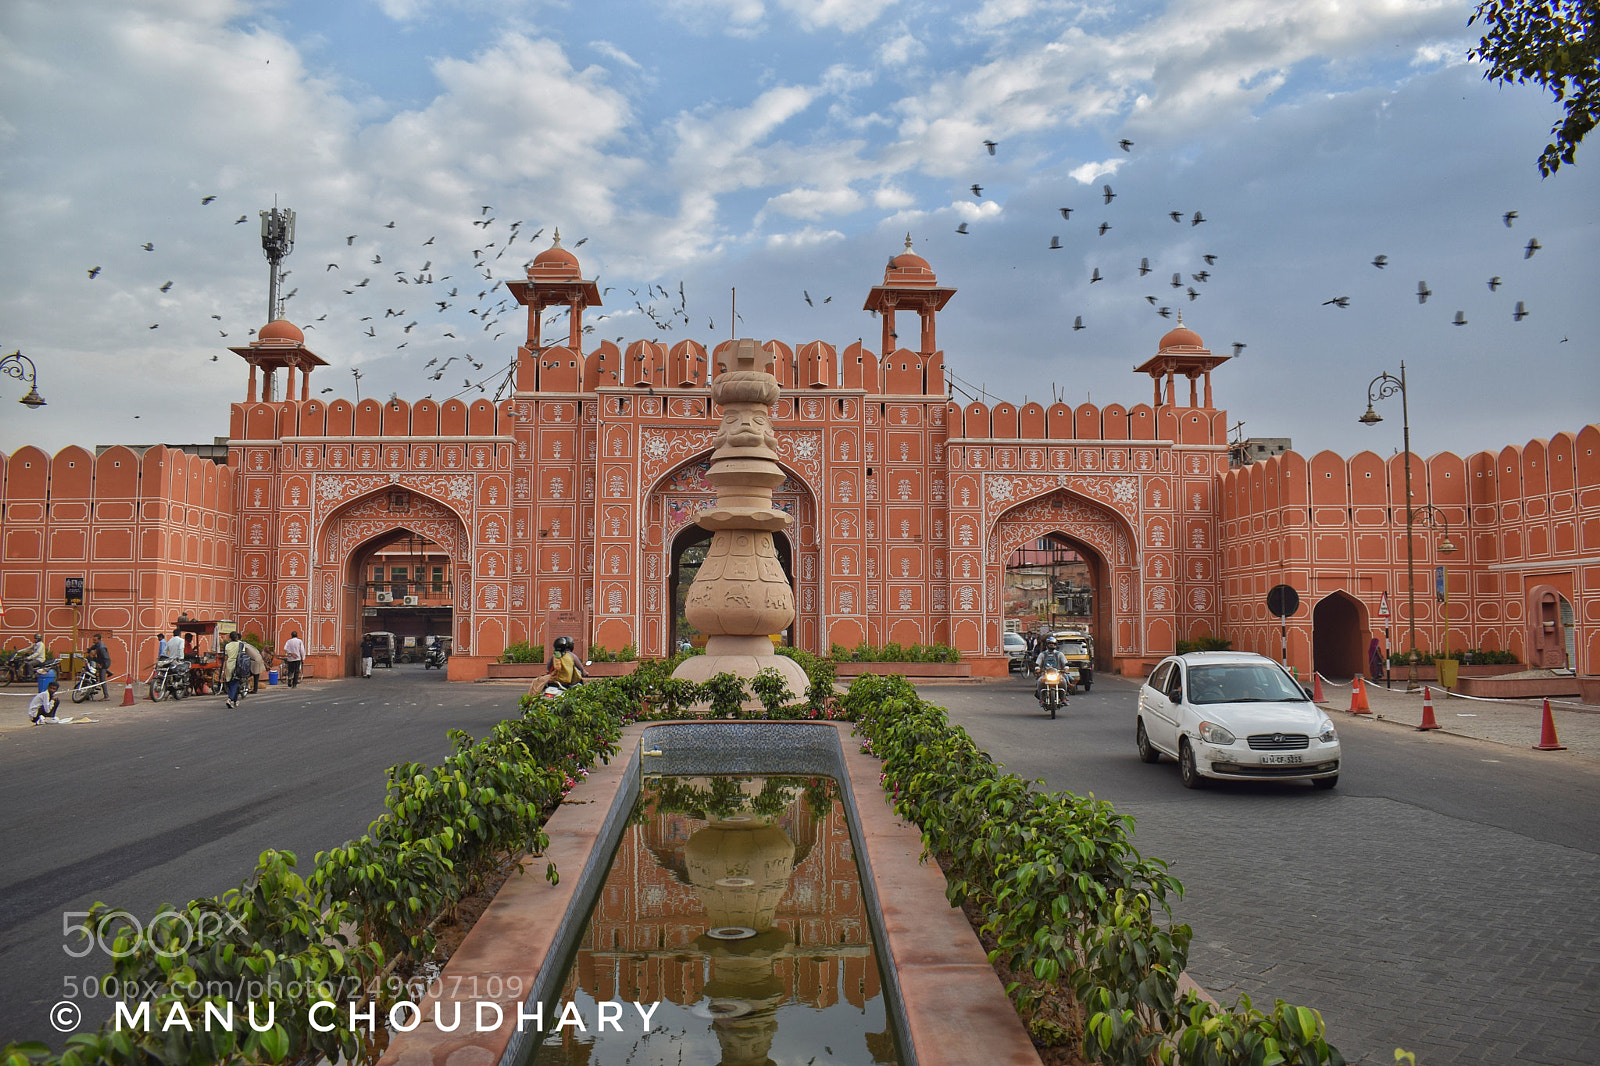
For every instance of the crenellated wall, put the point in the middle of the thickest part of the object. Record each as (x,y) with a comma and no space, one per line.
(1525,523)
(153,535)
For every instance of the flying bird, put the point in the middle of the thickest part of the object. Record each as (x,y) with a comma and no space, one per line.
(327,390)
(977,190)
(1197,219)
(205,201)
(148,246)
(1107,193)
(351,239)
(389,224)
(581,240)
(1380,261)
(1211,260)
(1192,294)
(1202,277)
(1055,244)
(1144,267)
(1164,312)
(1337,301)
(1077,323)
(1066,213)
(990,145)
(1423,292)
(94,272)
(962,228)
(156,326)
(427,242)
(1176,216)
(1125,144)
(1508,217)
(1533,246)
(1461,318)
(1520,313)
(1095,276)
(167,287)
(1177,281)
(241,218)
(1103,227)
(807,295)
(1152,300)
(1494,283)
(330,266)
(1238,347)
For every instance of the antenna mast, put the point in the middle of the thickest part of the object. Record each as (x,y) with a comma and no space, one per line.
(277,241)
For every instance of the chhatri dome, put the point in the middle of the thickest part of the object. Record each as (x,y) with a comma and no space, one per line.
(555,263)
(281,329)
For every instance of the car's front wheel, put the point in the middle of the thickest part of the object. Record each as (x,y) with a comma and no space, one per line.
(1188,770)
(1147,751)
(1325,783)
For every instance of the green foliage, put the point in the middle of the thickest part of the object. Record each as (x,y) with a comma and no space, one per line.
(1552,43)
(1076,913)
(772,689)
(1245,1035)
(599,654)
(895,653)
(725,693)
(1479,657)
(820,677)
(523,652)
(1204,644)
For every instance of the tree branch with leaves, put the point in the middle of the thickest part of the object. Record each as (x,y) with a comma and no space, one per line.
(1551,43)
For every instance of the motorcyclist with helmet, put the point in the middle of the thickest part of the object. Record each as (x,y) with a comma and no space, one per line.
(565,669)
(1047,659)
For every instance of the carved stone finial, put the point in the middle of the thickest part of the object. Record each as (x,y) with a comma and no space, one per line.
(555,242)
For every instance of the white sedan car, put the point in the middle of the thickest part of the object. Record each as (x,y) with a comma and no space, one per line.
(1234,715)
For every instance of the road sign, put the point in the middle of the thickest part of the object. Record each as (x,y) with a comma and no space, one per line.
(74,592)
(1283,600)
(1438,584)
(1383,606)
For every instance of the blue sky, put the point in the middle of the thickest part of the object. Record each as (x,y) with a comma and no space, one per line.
(786,147)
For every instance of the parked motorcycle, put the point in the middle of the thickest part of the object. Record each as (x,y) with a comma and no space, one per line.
(91,684)
(170,678)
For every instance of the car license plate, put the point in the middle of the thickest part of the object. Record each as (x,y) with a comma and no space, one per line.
(1278,760)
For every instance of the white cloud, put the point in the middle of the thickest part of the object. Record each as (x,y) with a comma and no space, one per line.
(1090,172)
(901,49)
(1441,53)
(846,15)
(807,238)
(813,203)
(745,17)
(611,51)
(889,197)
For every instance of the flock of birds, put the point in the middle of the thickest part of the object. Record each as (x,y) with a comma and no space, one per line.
(1423,292)
(477,289)
(1197,275)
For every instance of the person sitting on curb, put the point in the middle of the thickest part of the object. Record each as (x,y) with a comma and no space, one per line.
(44,706)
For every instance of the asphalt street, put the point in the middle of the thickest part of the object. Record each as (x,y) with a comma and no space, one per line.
(1443,899)
(165,802)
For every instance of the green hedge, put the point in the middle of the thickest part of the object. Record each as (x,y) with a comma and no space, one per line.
(1204,644)
(895,653)
(523,652)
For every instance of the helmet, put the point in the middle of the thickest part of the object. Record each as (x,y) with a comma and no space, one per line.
(1049,642)
(563,645)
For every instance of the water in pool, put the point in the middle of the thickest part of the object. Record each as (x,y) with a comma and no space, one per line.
(735,904)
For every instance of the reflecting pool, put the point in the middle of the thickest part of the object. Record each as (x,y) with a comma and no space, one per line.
(733,902)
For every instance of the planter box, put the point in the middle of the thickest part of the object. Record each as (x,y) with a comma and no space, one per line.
(529,671)
(1427,672)
(907,669)
(1589,689)
(1518,687)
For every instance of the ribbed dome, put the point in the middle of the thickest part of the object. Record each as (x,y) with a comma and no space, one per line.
(1181,337)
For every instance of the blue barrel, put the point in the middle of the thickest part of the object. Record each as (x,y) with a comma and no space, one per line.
(272,677)
(45,677)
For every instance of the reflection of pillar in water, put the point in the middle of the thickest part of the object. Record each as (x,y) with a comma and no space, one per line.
(740,867)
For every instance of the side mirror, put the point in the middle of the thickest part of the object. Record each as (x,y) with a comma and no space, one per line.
(1310,695)
(588,662)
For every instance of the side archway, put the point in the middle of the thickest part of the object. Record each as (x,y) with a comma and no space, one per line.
(348,537)
(1339,636)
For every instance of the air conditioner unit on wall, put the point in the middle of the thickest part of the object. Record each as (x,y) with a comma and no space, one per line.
(410,601)
(384,597)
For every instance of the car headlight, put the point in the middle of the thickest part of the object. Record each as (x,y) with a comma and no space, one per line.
(1212,733)
(1327,734)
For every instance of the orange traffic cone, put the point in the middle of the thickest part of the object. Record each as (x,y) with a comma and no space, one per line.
(1316,687)
(127,695)
(1547,733)
(1358,697)
(1428,721)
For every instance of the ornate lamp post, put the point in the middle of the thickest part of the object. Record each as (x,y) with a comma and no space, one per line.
(16,365)
(1435,519)
(1381,387)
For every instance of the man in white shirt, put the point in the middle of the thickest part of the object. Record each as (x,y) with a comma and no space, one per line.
(294,654)
(44,705)
(174,648)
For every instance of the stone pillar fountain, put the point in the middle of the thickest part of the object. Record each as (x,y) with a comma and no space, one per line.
(740,597)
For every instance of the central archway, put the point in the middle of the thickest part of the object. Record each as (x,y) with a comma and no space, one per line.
(688,552)
(1338,631)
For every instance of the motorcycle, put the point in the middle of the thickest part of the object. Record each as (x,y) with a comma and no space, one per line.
(434,657)
(1052,689)
(91,683)
(170,678)
(554,690)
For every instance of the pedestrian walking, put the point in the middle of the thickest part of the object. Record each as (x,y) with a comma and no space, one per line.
(235,666)
(367,647)
(43,707)
(294,654)
(258,666)
(1375,661)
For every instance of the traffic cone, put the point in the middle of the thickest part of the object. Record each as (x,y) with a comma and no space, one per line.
(1316,687)
(1358,697)
(1547,733)
(1428,721)
(127,695)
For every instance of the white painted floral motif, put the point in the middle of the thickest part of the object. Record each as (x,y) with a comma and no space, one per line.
(967,597)
(291,597)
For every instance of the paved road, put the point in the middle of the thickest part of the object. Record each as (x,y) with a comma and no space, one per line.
(1444,898)
(164,802)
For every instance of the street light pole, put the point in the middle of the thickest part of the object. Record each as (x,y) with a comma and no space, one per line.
(16,365)
(1381,387)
